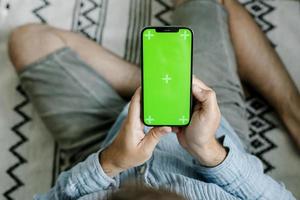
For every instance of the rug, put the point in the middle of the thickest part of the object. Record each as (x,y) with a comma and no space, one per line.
(29,158)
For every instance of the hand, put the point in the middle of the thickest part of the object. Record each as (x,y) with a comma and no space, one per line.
(131,147)
(199,137)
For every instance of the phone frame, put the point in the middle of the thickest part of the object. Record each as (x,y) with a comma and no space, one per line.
(164,29)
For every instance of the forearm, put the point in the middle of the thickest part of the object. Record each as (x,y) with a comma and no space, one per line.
(85,178)
(242,174)
(109,168)
(212,154)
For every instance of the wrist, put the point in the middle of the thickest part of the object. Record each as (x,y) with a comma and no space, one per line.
(107,165)
(211,154)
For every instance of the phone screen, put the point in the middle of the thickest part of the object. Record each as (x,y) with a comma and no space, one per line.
(166,63)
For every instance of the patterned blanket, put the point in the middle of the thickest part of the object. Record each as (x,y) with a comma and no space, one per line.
(29,158)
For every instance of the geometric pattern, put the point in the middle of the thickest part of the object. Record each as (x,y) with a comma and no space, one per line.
(25,119)
(37,10)
(86,22)
(89,18)
(165,9)
(139,17)
(259,125)
(16,129)
(259,9)
(257,108)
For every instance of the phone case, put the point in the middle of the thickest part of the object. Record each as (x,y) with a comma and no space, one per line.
(166,63)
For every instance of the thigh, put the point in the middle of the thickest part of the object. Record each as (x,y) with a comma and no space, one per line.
(213,58)
(76,104)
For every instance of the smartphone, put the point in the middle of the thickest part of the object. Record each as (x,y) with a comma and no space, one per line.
(166,67)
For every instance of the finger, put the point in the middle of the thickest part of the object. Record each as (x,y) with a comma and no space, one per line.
(175,129)
(205,97)
(152,138)
(199,83)
(134,110)
(181,139)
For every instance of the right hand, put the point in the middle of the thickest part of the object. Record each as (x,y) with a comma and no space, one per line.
(132,147)
(199,137)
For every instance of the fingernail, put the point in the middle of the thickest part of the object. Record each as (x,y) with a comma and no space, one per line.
(198,89)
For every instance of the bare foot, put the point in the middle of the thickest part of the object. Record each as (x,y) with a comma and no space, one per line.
(291,119)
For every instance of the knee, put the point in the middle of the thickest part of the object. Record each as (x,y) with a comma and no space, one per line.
(31,42)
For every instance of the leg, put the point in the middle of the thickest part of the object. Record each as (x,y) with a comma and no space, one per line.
(124,77)
(76,104)
(214,59)
(260,66)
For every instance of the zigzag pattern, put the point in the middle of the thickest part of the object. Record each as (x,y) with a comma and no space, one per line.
(37,10)
(85,14)
(259,9)
(166,8)
(21,160)
(259,128)
(256,107)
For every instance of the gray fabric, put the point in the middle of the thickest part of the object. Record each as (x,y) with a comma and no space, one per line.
(78,106)
(214,59)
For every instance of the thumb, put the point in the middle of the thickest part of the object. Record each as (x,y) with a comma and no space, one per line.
(204,96)
(152,138)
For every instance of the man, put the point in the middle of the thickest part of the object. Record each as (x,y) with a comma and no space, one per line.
(79,89)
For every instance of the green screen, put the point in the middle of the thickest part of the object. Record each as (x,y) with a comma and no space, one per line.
(166,63)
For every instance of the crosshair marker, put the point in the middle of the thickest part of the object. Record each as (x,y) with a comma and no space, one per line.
(149,35)
(185,35)
(166,78)
(183,119)
(149,119)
